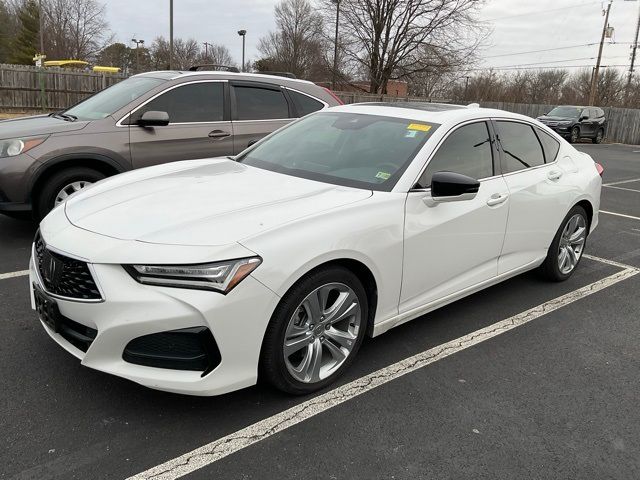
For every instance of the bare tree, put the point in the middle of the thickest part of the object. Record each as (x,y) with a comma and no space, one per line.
(297,46)
(398,38)
(216,55)
(185,53)
(74,28)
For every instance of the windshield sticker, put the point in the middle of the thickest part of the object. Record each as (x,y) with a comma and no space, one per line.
(419,126)
(411,134)
(383,175)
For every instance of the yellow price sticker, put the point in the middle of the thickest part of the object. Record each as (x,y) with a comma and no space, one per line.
(419,126)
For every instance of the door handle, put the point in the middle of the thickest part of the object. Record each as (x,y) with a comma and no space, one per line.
(554,174)
(497,199)
(218,134)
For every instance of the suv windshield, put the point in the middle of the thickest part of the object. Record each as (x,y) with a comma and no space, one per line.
(568,112)
(112,99)
(355,150)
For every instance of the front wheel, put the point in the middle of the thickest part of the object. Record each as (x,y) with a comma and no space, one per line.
(567,247)
(62,185)
(315,332)
(574,136)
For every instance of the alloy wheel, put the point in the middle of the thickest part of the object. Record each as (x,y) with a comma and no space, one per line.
(322,332)
(69,190)
(571,244)
(575,135)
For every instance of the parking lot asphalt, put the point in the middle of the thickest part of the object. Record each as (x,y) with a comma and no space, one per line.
(554,398)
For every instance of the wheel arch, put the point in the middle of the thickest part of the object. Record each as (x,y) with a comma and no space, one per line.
(99,162)
(588,207)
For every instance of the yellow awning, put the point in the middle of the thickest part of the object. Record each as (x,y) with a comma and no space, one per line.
(65,63)
(98,68)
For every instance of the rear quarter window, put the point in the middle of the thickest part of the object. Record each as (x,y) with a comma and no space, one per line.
(304,104)
(550,145)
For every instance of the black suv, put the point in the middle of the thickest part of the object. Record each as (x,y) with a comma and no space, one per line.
(575,123)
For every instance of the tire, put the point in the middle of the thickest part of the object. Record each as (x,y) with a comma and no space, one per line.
(292,315)
(574,136)
(553,268)
(599,136)
(45,200)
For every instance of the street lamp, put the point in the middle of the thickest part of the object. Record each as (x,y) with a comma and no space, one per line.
(243,34)
(138,43)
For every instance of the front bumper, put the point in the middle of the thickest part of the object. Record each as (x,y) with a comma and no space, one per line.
(130,310)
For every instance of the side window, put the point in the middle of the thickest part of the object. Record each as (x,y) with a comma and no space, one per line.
(255,103)
(600,112)
(192,103)
(585,113)
(467,151)
(304,103)
(550,146)
(520,145)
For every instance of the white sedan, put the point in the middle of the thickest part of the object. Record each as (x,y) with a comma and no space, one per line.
(202,276)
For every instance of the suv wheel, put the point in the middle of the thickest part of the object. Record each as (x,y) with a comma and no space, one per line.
(575,135)
(599,136)
(62,185)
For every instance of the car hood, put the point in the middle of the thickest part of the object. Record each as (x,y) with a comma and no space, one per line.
(204,202)
(38,125)
(545,118)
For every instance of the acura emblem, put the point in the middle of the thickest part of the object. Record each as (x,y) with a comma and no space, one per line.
(51,268)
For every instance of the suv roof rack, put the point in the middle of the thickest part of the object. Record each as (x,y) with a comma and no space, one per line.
(280,74)
(211,66)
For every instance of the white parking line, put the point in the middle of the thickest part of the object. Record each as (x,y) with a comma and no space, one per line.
(620,215)
(621,182)
(20,273)
(621,188)
(221,448)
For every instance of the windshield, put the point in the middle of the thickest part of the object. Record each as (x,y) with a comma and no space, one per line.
(363,151)
(112,99)
(568,112)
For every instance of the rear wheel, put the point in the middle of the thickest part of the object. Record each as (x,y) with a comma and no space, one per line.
(62,185)
(567,247)
(599,136)
(574,136)
(315,332)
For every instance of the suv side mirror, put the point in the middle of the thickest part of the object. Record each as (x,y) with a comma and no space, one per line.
(449,186)
(154,118)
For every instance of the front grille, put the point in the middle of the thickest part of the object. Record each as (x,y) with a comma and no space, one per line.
(64,276)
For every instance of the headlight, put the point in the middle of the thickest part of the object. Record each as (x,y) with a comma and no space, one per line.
(565,122)
(219,276)
(16,146)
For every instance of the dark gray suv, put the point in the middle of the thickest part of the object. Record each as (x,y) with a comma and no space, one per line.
(148,119)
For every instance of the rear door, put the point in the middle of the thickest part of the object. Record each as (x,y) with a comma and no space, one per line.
(257,109)
(586,124)
(199,125)
(538,192)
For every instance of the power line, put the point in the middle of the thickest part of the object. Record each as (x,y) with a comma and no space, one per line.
(552,61)
(540,51)
(555,67)
(541,12)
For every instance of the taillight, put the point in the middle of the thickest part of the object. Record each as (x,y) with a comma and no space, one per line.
(337,99)
(599,168)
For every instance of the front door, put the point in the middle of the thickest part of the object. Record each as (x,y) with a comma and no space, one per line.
(258,109)
(451,246)
(199,126)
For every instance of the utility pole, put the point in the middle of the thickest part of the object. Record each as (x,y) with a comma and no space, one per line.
(335,47)
(170,34)
(41,18)
(243,34)
(596,71)
(43,99)
(466,87)
(206,49)
(633,58)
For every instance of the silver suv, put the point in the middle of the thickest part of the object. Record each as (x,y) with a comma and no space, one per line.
(148,119)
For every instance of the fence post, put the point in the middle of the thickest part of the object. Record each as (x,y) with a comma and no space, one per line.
(43,99)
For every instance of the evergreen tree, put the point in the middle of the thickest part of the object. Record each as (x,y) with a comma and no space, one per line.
(25,44)
(5,33)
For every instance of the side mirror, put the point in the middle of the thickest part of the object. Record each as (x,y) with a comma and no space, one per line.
(451,187)
(154,118)
(582,117)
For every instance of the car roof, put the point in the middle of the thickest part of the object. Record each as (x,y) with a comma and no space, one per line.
(429,112)
(178,74)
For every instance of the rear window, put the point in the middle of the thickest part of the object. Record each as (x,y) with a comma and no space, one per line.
(356,150)
(304,104)
(550,146)
(254,103)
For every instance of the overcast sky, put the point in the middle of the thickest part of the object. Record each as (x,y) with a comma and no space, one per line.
(517,26)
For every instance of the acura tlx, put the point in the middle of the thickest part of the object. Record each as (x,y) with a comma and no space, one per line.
(203,276)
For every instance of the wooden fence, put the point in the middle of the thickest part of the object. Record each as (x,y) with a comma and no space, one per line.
(21,87)
(20,91)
